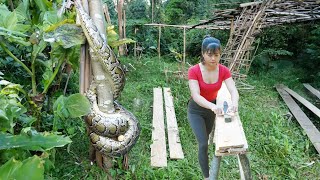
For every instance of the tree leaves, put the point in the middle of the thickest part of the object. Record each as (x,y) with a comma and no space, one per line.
(33,140)
(67,35)
(73,106)
(77,105)
(31,168)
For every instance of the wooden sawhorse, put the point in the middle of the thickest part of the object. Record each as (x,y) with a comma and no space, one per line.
(229,139)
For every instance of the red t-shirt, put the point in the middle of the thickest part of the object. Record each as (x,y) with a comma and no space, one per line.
(208,91)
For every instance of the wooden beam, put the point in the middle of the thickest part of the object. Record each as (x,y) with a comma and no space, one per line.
(166,25)
(158,147)
(311,131)
(175,148)
(312,90)
(229,136)
(190,26)
(306,103)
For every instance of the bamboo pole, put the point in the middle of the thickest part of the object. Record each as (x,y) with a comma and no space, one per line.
(120,24)
(106,13)
(135,43)
(159,54)
(124,31)
(184,50)
(152,10)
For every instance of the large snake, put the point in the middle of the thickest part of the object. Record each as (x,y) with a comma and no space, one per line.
(115,133)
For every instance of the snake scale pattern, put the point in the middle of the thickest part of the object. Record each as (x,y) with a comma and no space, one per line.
(112,134)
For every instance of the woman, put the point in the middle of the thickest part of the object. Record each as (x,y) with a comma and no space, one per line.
(205,80)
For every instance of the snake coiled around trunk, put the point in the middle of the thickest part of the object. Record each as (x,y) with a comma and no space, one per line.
(112,134)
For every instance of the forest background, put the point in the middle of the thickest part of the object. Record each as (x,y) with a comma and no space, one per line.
(42,135)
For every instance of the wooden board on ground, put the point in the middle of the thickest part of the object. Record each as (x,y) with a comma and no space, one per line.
(175,149)
(306,103)
(158,147)
(229,136)
(312,90)
(312,132)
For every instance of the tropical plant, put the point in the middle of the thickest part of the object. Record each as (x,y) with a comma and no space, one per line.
(29,129)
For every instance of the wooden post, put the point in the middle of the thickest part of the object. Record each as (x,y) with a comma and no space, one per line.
(184,49)
(159,54)
(135,43)
(120,24)
(85,74)
(82,69)
(87,69)
(124,31)
(215,167)
(244,167)
(152,9)
(106,13)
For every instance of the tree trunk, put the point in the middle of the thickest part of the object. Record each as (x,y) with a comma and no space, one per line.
(104,91)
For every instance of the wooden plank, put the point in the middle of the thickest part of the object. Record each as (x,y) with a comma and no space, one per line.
(158,147)
(229,136)
(250,4)
(311,131)
(175,148)
(306,103)
(312,90)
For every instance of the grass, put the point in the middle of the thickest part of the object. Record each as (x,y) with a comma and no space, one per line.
(279,149)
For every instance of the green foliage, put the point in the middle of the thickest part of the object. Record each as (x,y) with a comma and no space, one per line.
(289,46)
(31,168)
(279,149)
(179,11)
(66,35)
(266,59)
(113,38)
(137,9)
(13,25)
(32,140)
(66,108)
(11,110)
(26,120)
(74,106)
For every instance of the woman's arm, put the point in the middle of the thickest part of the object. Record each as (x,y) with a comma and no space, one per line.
(234,93)
(201,101)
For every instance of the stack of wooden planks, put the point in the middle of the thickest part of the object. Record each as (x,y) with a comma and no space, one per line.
(229,137)
(311,131)
(158,147)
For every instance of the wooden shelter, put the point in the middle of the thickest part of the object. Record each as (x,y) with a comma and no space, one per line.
(246,23)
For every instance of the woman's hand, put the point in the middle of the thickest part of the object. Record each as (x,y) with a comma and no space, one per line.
(233,109)
(216,110)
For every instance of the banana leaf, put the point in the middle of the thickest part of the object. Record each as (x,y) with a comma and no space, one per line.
(31,168)
(33,141)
